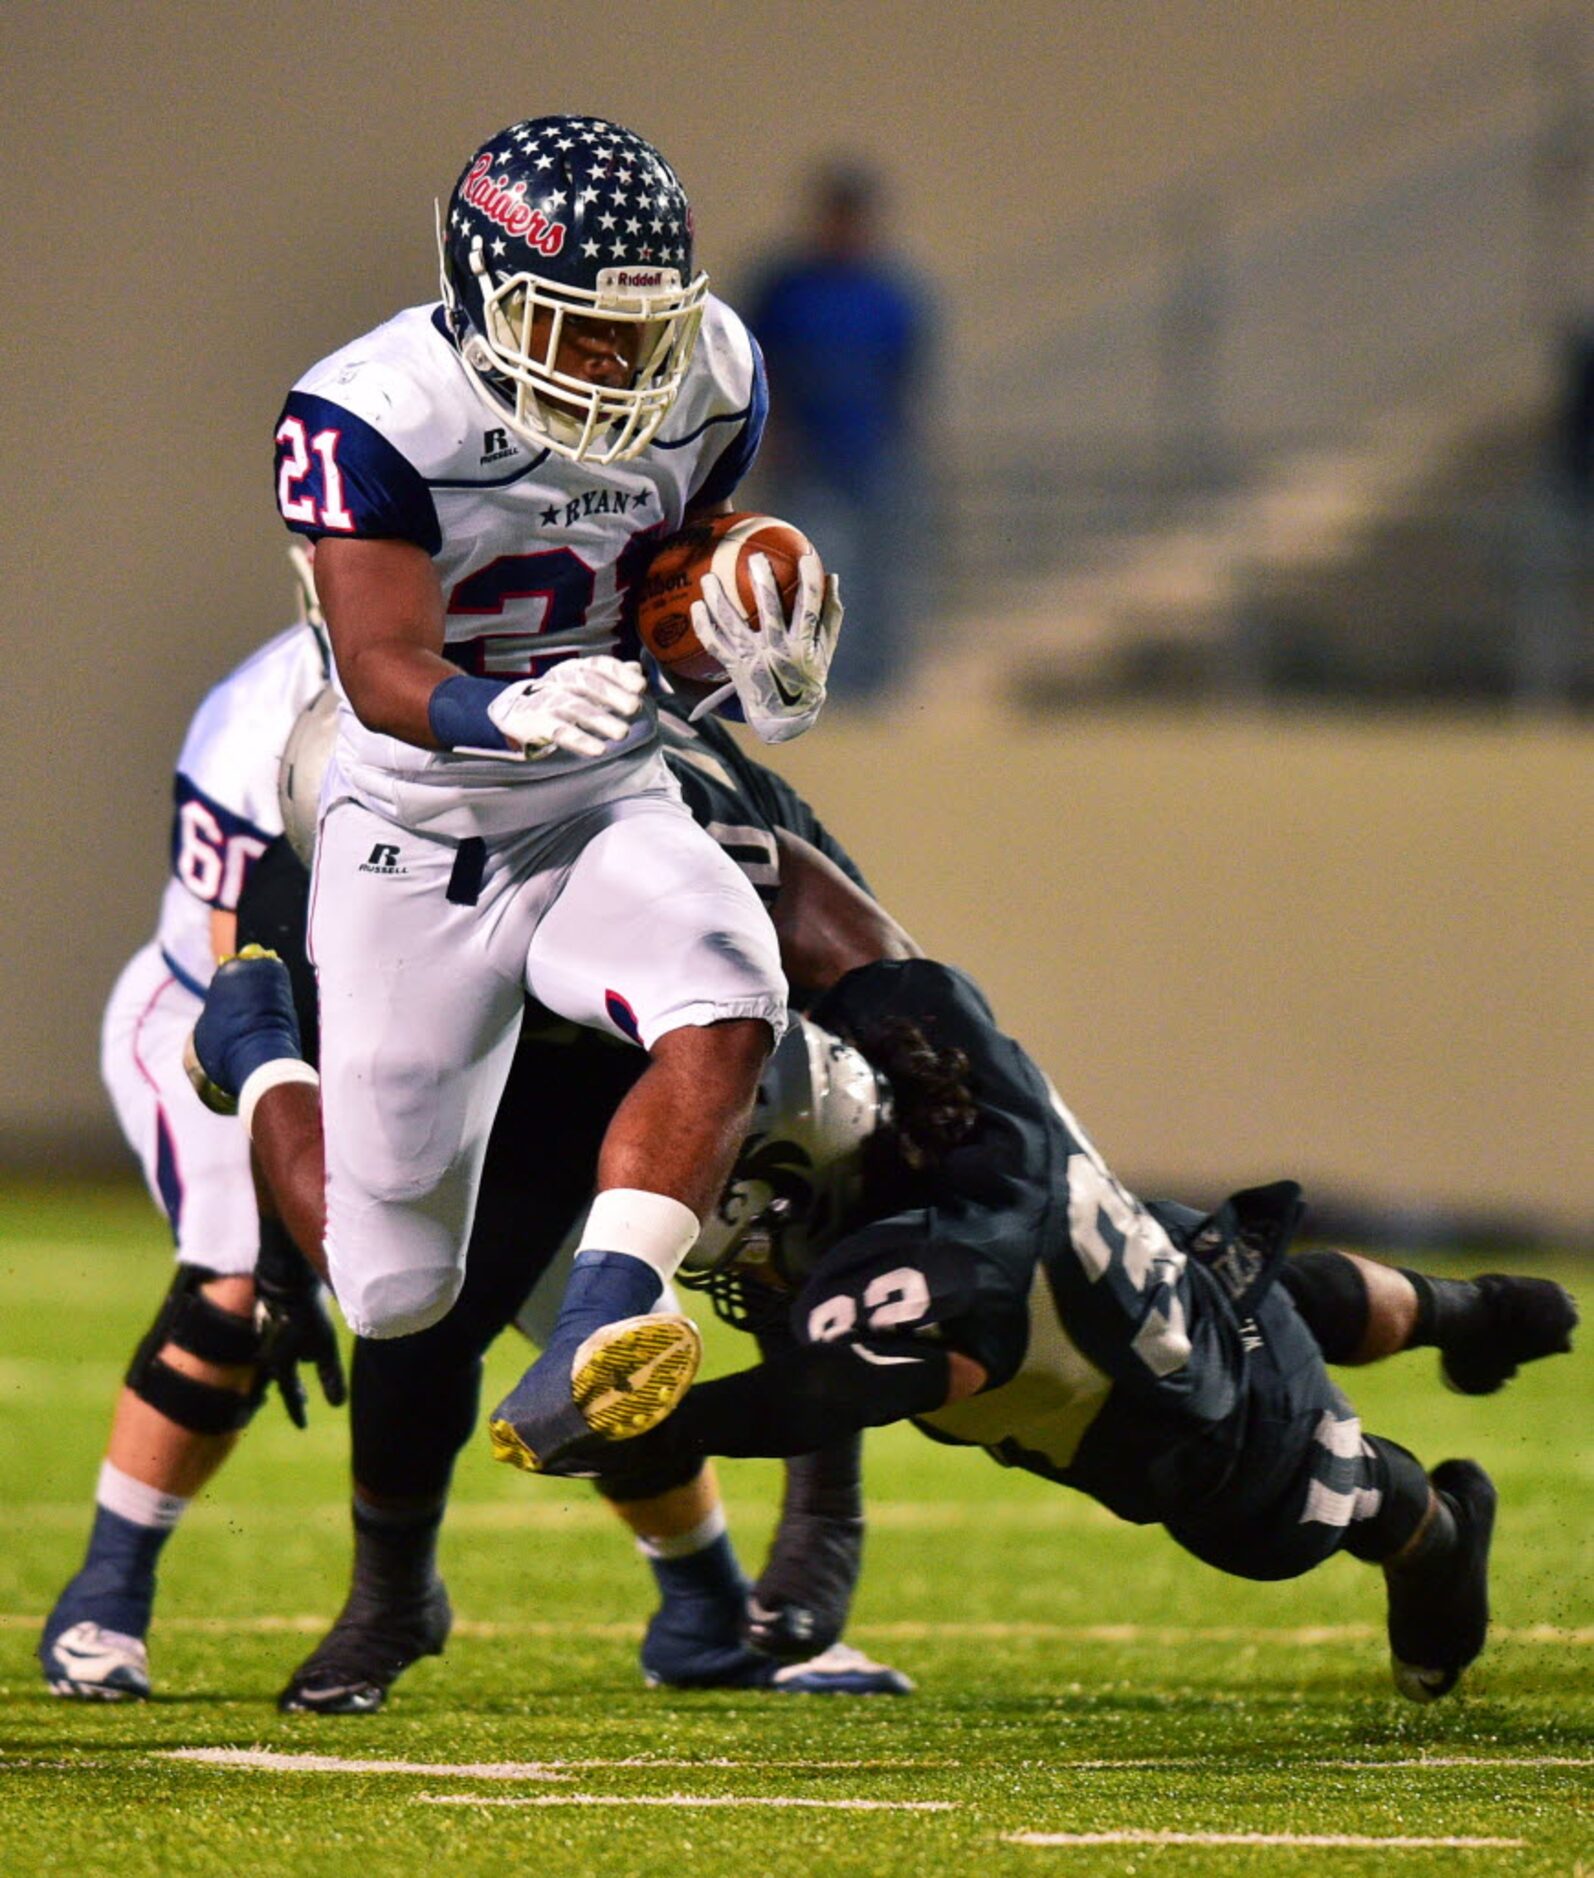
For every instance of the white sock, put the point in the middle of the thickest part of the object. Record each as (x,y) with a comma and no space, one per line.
(132,1500)
(684,1544)
(648,1226)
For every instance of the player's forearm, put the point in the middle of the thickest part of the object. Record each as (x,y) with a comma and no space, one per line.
(812,1398)
(384,609)
(290,1161)
(826,924)
(389,686)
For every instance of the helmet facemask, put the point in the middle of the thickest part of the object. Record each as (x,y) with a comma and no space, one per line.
(800,1175)
(556,410)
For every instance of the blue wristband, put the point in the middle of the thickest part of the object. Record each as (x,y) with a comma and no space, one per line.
(457,712)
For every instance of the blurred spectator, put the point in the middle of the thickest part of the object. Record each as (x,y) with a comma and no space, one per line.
(846,328)
(1577,419)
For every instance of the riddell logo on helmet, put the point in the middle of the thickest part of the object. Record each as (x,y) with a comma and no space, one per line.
(634,277)
(506,205)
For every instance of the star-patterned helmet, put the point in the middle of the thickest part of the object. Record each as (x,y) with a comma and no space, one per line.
(562,218)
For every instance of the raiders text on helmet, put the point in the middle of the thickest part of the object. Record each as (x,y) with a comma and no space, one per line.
(560,218)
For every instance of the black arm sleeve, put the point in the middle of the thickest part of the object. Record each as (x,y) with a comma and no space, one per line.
(805,1399)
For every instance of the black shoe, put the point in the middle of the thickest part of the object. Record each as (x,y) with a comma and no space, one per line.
(1439,1608)
(366,1650)
(799,1606)
(1521,1319)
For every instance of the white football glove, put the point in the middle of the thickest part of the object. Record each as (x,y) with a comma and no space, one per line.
(581,706)
(778,666)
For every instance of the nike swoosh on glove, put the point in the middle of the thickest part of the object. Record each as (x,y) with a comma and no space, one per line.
(777,666)
(582,707)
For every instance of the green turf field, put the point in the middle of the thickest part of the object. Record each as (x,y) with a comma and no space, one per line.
(1075,1676)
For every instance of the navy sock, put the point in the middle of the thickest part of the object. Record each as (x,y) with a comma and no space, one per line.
(115,1586)
(710,1573)
(395,1548)
(605,1286)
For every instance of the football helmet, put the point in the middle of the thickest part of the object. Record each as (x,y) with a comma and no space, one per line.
(564,218)
(800,1171)
(301,767)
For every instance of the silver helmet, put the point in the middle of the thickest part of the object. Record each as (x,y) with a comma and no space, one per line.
(303,764)
(800,1171)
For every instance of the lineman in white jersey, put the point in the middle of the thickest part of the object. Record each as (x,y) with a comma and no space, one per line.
(485,479)
(200,1372)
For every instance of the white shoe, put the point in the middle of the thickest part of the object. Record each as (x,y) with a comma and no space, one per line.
(842,1670)
(95,1664)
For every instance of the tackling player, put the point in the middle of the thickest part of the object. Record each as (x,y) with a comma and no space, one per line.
(200,1372)
(485,478)
(989,1278)
(947,1245)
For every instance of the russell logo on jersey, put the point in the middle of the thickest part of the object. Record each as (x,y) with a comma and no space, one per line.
(383,859)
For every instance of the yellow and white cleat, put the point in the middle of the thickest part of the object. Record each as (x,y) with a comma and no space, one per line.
(623,1379)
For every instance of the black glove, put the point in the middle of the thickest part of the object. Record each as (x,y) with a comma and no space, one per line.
(294,1324)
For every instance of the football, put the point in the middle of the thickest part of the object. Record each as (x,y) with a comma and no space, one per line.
(720,545)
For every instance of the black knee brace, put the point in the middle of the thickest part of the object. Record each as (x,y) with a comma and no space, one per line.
(188,1320)
(1331,1296)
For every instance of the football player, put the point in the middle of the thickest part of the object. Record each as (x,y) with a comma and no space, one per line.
(992,1280)
(200,1372)
(413,1400)
(484,479)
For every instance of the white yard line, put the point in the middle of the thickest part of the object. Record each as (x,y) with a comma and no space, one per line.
(1404,1842)
(262,1760)
(271,1761)
(265,1760)
(692,1799)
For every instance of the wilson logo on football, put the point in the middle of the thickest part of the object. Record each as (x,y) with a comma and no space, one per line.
(507,206)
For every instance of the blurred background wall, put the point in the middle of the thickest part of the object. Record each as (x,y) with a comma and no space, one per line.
(1255,322)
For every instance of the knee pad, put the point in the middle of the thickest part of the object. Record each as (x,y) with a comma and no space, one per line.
(401,1303)
(189,1321)
(1331,1296)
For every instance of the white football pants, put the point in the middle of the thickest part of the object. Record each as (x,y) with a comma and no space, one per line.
(196,1163)
(627,918)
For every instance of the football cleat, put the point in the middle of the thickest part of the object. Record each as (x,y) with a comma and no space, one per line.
(96,1665)
(612,1369)
(248,1020)
(841,1670)
(365,1652)
(1439,1612)
(1520,1320)
(696,1643)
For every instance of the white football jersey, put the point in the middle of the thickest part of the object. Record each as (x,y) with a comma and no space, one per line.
(393,437)
(225,792)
